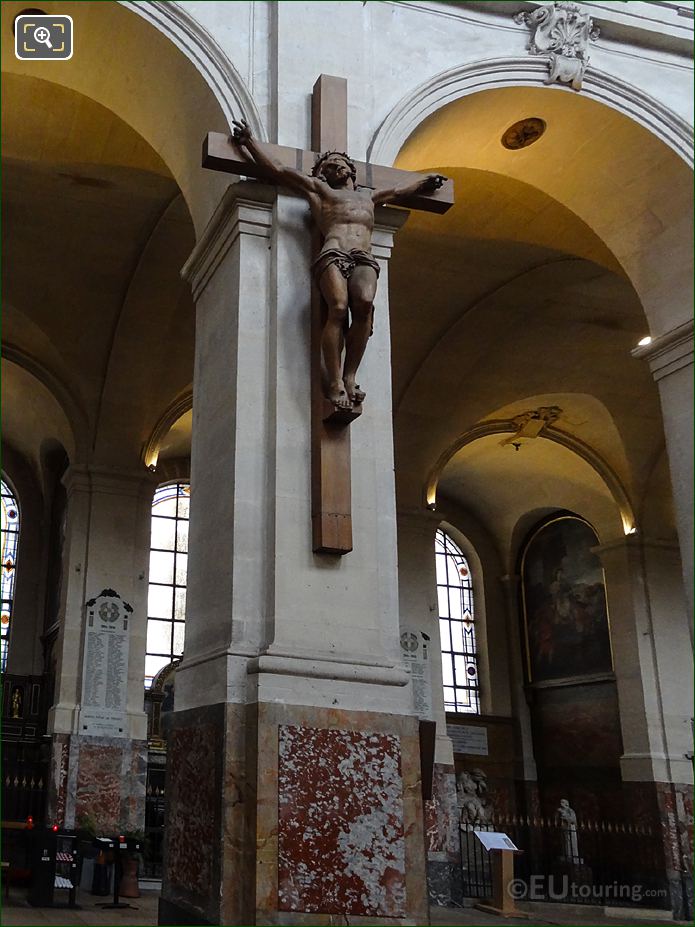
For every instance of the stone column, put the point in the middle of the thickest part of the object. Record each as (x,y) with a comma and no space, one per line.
(526,771)
(420,617)
(99,734)
(653,658)
(670,358)
(293,755)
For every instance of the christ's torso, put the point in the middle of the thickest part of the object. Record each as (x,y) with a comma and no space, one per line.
(345,219)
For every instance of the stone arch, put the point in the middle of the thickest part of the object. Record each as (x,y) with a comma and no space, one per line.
(658,231)
(473,77)
(198,45)
(176,409)
(166,78)
(556,435)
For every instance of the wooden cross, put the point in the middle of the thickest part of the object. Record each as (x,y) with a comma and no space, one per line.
(330,434)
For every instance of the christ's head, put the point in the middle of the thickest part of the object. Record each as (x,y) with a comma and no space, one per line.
(336,169)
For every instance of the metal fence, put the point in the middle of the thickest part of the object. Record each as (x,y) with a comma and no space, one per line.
(23,790)
(598,863)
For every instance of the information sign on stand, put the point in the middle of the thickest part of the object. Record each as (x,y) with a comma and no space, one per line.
(502,851)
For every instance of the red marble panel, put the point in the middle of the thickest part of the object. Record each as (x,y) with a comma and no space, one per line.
(441,812)
(98,792)
(62,753)
(193,800)
(341,847)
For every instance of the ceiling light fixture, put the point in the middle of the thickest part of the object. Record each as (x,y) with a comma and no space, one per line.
(643,342)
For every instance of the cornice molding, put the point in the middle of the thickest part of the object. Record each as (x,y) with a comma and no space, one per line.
(246,208)
(669,352)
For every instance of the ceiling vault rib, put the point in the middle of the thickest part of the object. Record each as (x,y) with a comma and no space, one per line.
(466,312)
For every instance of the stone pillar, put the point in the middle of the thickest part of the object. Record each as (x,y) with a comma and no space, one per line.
(670,358)
(99,734)
(653,658)
(419,617)
(293,754)
(526,773)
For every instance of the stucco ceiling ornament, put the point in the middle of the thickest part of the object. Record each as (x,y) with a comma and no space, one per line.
(530,424)
(562,31)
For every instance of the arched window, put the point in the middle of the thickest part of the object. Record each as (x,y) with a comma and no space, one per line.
(456,627)
(166,609)
(10,537)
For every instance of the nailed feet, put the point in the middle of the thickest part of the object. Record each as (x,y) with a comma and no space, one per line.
(338,395)
(355,394)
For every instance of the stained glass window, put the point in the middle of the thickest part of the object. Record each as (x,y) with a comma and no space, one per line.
(10,537)
(166,609)
(456,627)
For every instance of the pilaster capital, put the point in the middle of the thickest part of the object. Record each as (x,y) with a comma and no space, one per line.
(246,208)
(133,483)
(669,352)
(426,519)
(387,221)
(629,544)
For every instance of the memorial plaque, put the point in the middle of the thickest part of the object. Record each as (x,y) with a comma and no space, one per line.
(468,738)
(415,656)
(105,666)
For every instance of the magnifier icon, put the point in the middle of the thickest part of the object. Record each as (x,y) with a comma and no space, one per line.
(42,35)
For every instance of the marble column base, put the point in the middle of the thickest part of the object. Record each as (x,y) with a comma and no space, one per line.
(667,809)
(102,777)
(444,886)
(282,814)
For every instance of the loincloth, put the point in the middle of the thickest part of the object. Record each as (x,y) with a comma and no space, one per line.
(345,261)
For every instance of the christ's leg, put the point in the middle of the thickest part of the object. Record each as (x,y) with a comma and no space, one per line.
(334,289)
(362,289)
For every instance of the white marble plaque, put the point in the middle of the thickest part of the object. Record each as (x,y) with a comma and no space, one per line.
(416,657)
(105,666)
(469,739)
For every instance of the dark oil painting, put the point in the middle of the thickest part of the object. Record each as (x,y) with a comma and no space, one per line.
(564,599)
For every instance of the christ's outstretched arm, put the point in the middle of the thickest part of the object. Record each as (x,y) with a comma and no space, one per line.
(392,194)
(275,170)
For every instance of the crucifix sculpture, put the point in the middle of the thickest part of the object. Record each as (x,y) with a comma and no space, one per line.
(342,195)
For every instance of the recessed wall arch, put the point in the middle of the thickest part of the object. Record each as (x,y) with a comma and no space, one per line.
(595,461)
(74,434)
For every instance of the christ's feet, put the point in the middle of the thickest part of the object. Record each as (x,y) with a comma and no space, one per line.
(338,395)
(355,394)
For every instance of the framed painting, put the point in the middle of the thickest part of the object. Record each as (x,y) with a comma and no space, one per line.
(565,613)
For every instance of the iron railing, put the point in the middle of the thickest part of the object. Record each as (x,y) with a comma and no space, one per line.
(598,863)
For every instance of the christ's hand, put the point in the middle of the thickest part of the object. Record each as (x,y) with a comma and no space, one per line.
(242,133)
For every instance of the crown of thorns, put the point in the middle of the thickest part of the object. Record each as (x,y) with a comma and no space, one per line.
(316,169)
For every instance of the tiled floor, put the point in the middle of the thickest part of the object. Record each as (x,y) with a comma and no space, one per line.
(17,913)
